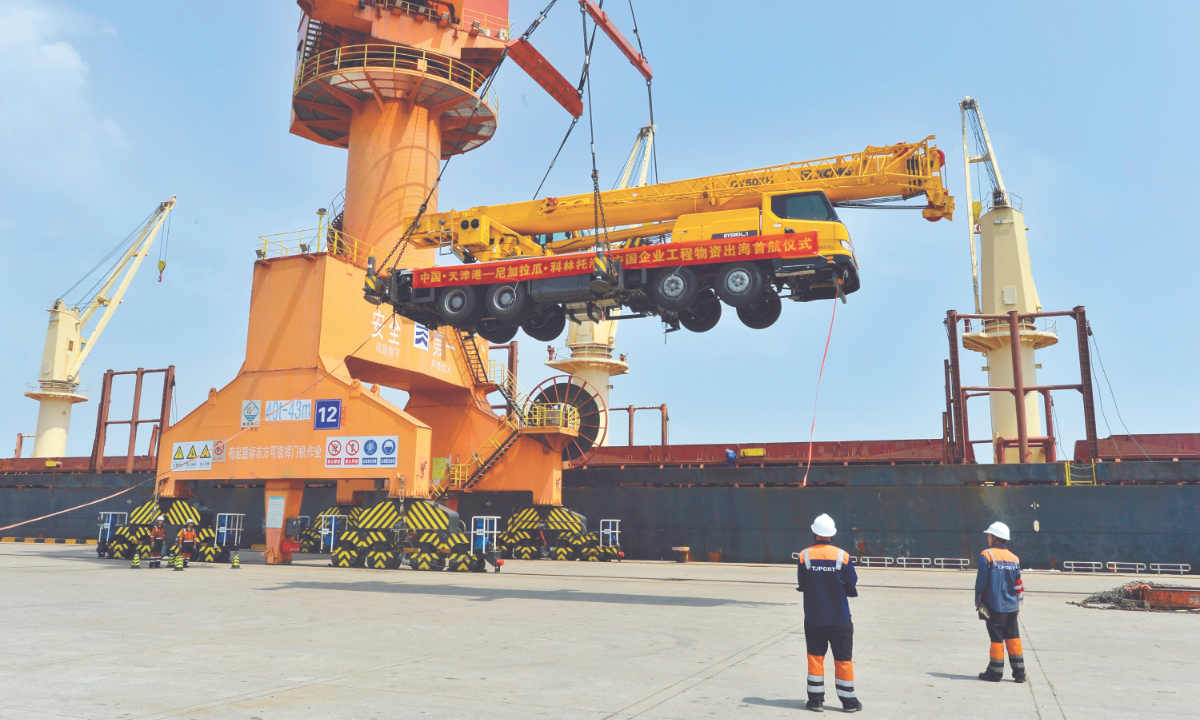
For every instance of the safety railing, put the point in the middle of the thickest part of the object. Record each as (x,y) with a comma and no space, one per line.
(1082,566)
(1175,568)
(330,527)
(327,240)
(57,387)
(507,384)
(918,563)
(999,328)
(610,533)
(388,57)
(552,415)
(1125,567)
(587,351)
(952,563)
(471,20)
(460,473)
(869,561)
(1080,474)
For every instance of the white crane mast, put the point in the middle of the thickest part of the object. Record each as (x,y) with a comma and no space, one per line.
(57,387)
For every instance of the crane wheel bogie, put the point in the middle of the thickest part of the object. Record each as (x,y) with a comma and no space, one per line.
(675,289)
(740,284)
(508,303)
(762,314)
(458,305)
(704,314)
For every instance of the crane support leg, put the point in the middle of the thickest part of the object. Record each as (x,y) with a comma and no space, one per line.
(282,499)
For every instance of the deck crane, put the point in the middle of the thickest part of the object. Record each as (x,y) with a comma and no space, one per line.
(57,388)
(675,249)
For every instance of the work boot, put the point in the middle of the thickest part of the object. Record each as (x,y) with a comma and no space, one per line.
(1019,678)
(990,677)
(852,705)
(815,706)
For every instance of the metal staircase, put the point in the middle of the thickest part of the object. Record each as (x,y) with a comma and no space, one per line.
(462,476)
(474,357)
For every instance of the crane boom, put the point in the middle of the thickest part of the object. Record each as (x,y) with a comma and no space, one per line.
(903,170)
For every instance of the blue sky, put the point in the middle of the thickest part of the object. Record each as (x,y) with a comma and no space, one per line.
(110,108)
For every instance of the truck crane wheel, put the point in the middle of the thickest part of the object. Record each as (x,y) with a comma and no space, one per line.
(495,332)
(704,314)
(458,305)
(762,314)
(546,324)
(740,284)
(507,302)
(675,289)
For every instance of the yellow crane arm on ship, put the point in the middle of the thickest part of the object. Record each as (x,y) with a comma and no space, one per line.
(497,232)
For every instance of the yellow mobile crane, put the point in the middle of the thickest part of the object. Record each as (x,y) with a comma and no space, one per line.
(677,250)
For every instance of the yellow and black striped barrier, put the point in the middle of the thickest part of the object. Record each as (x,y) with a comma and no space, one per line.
(345,556)
(145,514)
(383,516)
(48,541)
(422,515)
(180,512)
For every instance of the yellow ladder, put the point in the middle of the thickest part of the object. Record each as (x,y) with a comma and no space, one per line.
(1084,474)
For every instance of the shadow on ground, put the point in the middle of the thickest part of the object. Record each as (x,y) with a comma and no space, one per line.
(781,703)
(489,594)
(948,676)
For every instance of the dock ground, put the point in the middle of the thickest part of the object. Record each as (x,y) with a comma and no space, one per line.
(87,638)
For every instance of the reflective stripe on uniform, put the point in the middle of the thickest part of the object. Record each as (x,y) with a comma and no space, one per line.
(807,562)
(838,564)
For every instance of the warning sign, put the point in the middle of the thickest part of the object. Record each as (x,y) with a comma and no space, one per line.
(251,413)
(195,455)
(367,451)
(218,451)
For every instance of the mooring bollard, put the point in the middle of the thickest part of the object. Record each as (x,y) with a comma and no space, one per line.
(681,554)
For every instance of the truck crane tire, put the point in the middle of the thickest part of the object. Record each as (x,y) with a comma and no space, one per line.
(762,314)
(704,314)
(546,324)
(507,302)
(458,305)
(740,284)
(674,289)
(495,332)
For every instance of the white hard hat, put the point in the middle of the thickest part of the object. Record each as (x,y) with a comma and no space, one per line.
(824,527)
(998,529)
(160,517)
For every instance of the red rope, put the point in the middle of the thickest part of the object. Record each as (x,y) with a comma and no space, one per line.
(817,395)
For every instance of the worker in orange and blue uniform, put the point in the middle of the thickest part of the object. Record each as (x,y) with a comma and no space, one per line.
(999,593)
(158,535)
(187,542)
(826,576)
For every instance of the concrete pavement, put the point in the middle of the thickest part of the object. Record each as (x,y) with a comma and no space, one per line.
(88,638)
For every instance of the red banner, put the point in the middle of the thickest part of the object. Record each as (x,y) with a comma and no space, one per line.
(755,247)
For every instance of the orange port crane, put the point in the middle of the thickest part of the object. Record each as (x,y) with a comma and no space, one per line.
(678,250)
